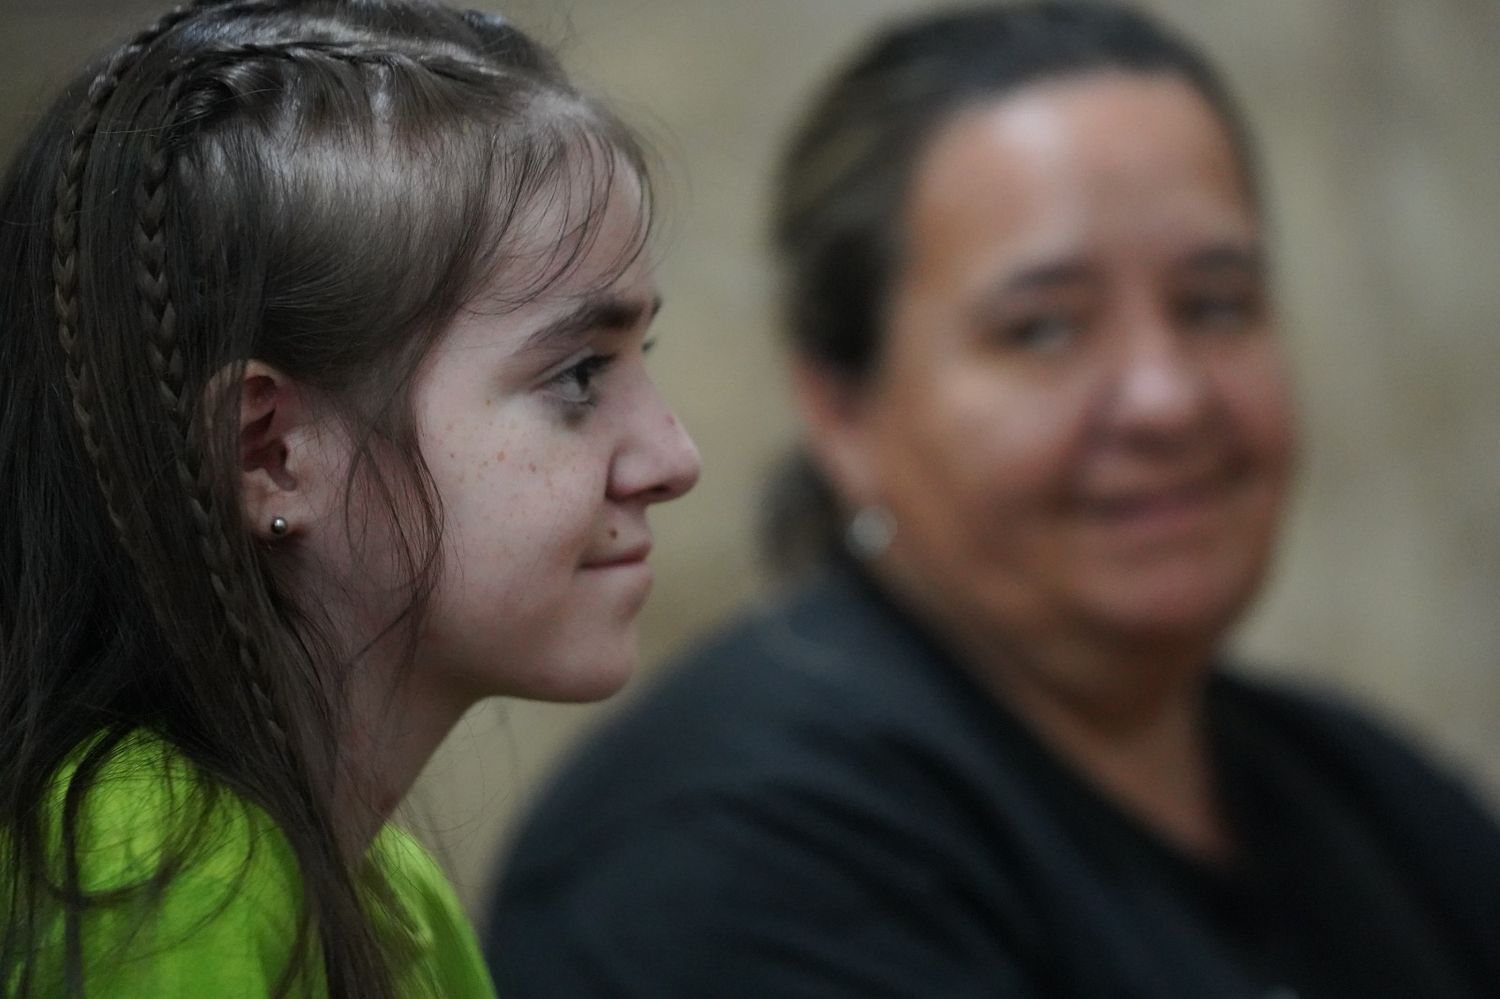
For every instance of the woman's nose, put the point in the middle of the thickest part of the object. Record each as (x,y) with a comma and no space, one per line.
(1161,389)
(660,461)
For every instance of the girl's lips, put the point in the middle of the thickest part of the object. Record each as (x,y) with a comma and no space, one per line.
(634,555)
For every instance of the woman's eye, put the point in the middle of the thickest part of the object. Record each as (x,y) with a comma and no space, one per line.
(1219,313)
(574,385)
(1040,333)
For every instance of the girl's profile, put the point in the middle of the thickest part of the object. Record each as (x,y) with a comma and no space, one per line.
(323,414)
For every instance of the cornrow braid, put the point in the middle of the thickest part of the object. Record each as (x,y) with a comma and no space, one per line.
(160,315)
(68,196)
(200,95)
(79,371)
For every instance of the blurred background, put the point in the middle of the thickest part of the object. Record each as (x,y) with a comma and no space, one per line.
(1381,143)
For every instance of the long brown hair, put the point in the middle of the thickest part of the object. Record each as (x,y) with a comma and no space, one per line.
(317,184)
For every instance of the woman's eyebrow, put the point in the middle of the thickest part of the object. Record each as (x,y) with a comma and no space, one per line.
(1247,257)
(594,313)
(1051,275)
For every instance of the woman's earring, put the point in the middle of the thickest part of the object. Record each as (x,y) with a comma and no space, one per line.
(279,526)
(869,532)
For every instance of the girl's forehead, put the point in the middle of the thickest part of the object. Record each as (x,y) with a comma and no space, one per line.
(591,278)
(575,238)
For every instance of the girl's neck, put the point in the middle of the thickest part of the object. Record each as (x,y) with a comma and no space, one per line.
(390,736)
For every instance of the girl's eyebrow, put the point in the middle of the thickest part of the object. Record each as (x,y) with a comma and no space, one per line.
(594,313)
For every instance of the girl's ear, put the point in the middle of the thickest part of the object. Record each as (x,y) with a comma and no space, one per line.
(835,418)
(284,460)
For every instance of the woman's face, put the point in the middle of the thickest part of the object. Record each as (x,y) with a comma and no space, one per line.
(1081,419)
(547,442)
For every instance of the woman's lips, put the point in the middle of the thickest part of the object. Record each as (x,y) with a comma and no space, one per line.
(1158,512)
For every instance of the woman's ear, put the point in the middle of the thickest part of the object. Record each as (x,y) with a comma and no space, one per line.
(835,415)
(280,460)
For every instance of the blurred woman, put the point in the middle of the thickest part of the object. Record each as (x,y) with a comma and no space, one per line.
(991,749)
(323,414)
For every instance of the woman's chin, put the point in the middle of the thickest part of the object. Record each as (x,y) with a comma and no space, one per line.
(1185,607)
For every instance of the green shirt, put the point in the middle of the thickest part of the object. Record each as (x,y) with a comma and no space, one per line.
(223,926)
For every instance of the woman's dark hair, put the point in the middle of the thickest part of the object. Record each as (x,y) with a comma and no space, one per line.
(316,184)
(837,210)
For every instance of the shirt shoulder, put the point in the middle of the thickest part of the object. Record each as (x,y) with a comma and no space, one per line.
(435,951)
(198,892)
(190,886)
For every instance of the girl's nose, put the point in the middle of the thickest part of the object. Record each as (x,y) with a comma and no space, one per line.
(661,461)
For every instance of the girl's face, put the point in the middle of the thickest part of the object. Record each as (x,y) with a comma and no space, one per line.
(1081,420)
(547,442)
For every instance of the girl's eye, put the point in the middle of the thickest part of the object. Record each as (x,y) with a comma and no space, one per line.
(574,385)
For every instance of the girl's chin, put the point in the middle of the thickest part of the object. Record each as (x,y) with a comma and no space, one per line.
(601,676)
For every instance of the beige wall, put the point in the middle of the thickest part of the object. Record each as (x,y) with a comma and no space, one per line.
(1382,140)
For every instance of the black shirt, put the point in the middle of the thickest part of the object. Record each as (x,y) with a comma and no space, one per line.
(820,803)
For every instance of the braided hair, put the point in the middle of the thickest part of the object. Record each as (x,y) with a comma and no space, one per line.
(316,184)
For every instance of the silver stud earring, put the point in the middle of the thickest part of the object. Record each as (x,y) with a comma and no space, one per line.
(279,526)
(869,532)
